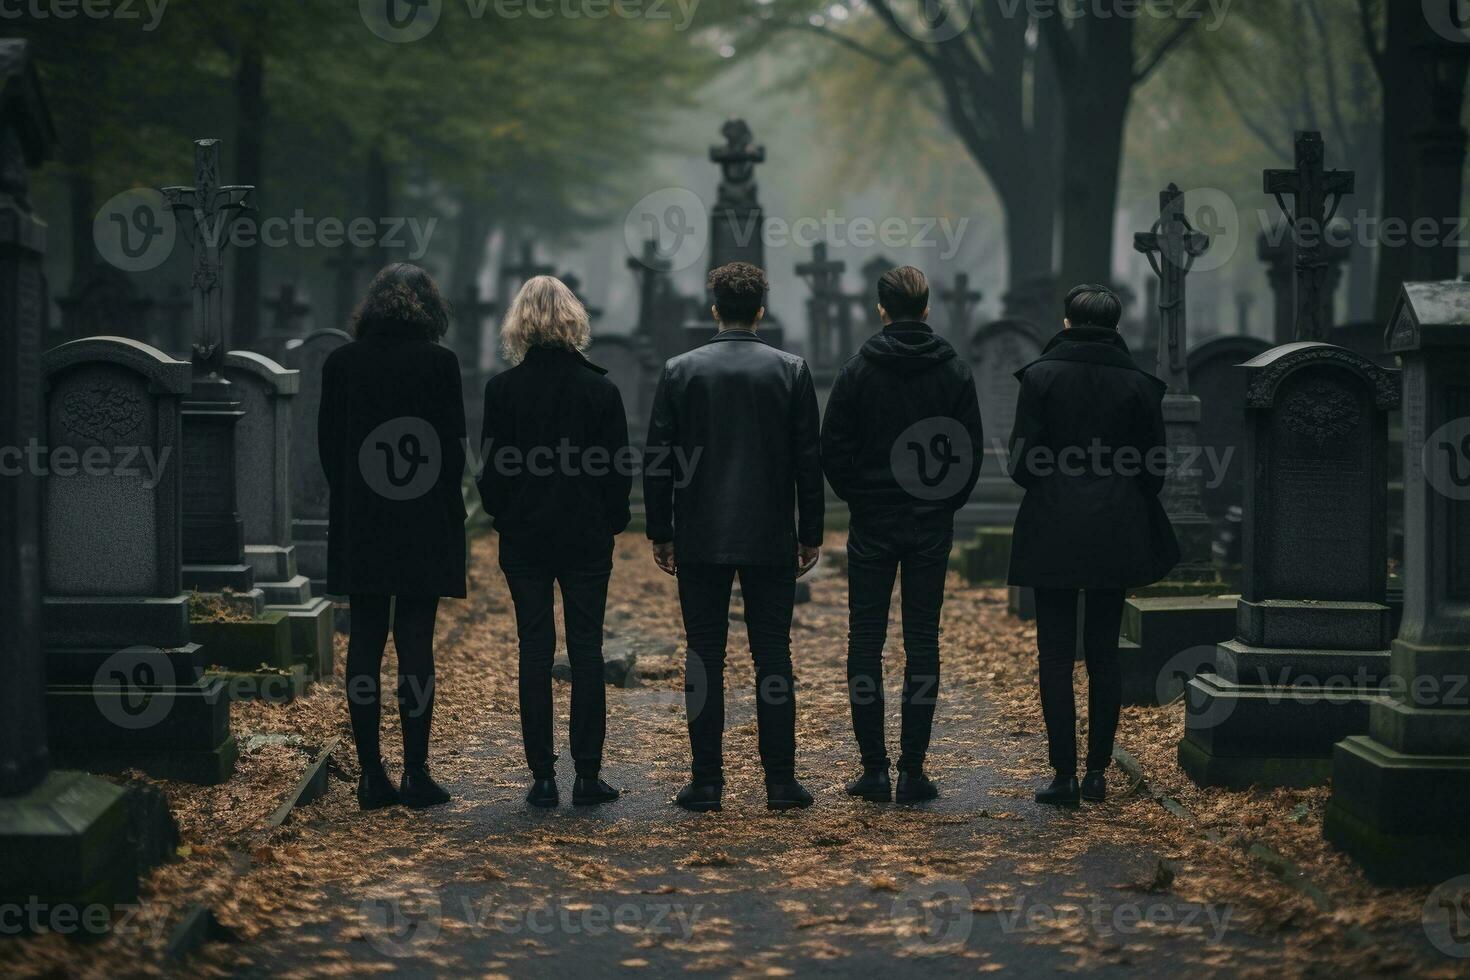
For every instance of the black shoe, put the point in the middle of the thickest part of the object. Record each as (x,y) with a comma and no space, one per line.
(1095,786)
(375,790)
(915,787)
(873,785)
(419,790)
(787,796)
(543,793)
(700,797)
(592,791)
(1063,791)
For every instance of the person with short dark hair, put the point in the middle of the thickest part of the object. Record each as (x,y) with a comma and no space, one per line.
(390,437)
(732,485)
(1089,448)
(903,397)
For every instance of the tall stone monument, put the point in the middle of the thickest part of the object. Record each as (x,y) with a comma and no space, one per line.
(1312,629)
(1316,193)
(1401,790)
(63,835)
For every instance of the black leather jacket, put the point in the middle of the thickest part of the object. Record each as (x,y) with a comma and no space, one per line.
(733,455)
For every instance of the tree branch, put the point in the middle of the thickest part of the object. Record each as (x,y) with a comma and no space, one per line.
(842,40)
(1175,36)
(1370,39)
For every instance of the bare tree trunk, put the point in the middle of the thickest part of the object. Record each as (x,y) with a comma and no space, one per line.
(249,165)
(1402,115)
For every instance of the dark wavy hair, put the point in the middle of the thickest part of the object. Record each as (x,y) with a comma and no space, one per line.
(739,290)
(400,297)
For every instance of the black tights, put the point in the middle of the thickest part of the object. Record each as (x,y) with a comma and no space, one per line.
(413,637)
(1056,643)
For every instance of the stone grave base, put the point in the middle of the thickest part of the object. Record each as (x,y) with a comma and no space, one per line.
(272,686)
(66,852)
(1315,625)
(1157,630)
(986,558)
(291,591)
(239,579)
(1402,817)
(103,623)
(1242,735)
(312,626)
(247,644)
(176,732)
(271,563)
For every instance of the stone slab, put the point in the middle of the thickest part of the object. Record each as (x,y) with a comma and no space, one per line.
(1168,640)
(217,578)
(293,591)
(1414,730)
(116,622)
(1315,625)
(246,646)
(312,629)
(162,667)
(1241,663)
(270,686)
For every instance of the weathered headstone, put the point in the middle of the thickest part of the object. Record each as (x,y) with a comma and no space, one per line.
(629,367)
(124,675)
(996,352)
(107,302)
(1216,378)
(1400,791)
(1312,629)
(63,835)
(309,491)
(263,461)
(829,347)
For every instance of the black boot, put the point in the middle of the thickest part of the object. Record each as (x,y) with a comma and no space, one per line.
(590,791)
(915,787)
(700,797)
(787,796)
(543,793)
(374,788)
(1063,791)
(1095,786)
(873,785)
(419,790)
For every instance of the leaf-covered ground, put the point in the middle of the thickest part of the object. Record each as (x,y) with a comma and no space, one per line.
(979,881)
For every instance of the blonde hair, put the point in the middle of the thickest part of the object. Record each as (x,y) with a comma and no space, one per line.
(545,313)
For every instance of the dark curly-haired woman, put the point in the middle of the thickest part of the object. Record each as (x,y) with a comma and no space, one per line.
(390,434)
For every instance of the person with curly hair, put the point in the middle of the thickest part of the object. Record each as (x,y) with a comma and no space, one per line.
(732,484)
(390,437)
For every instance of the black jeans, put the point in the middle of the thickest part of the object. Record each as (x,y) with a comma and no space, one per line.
(769,592)
(1056,644)
(876,550)
(413,637)
(532,573)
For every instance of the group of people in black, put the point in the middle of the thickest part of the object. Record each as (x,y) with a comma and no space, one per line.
(734,470)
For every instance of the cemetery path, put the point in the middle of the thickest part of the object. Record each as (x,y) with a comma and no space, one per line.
(981,880)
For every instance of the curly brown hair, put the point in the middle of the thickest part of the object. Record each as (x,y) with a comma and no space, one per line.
(739,291)
(402,295)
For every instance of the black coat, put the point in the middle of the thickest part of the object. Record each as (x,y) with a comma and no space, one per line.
(1090,518)
(905,382)
(733,455)
(557,469)
(390,434)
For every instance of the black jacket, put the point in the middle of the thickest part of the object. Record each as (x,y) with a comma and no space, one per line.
(1089,448)
(733,455)
(390,434)
(890,401)
(556,465)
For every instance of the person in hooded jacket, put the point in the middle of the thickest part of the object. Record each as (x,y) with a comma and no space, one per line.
(901,444)
(1088,447)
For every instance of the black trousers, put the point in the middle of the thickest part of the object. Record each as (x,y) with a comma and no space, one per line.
(876,552)
(412,621)
(769,592)
(1056,643)
(532,574)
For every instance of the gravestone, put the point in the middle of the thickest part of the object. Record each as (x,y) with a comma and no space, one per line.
(1312,630)
(263,461)
(628,367)
(960,302)
(309,491)
(1316,193)
(1401,791)
(125,686)
(290,319)
(106,302)
(830,348)
(468,343)
(996,352)
(63,835)
(1215,376)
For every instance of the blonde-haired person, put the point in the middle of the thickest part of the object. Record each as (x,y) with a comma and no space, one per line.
(556,478)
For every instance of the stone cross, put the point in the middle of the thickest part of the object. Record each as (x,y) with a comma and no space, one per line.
(824,276)
(1316,193)
(649,269)
(206,211)
(737,160)
(287,309)
(1171,246)
(574,282)
(524,270)
(961,301)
